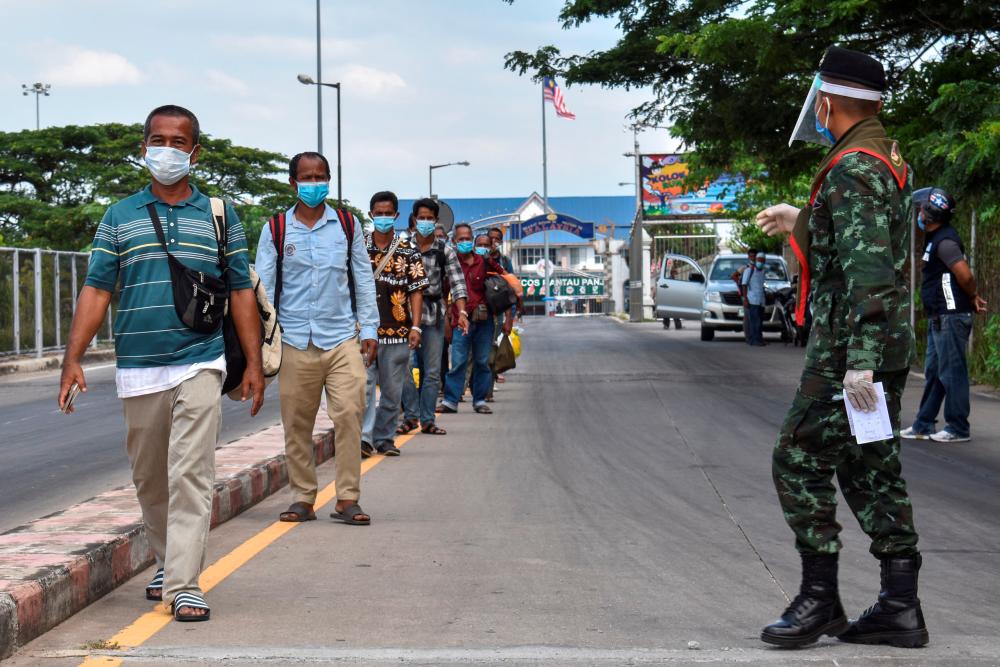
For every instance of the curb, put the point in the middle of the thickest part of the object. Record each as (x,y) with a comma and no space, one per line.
(55,566)
(51,362)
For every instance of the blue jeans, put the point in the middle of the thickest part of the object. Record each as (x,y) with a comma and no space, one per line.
(755,324)
(947,376)
(420,403)
(476,345)
(381,419)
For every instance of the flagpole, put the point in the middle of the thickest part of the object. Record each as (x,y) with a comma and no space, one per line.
(545,204)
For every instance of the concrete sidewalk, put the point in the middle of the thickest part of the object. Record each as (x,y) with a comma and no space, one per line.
(53,567)
(52,360)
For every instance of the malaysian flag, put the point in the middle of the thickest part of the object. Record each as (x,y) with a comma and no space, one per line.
(551,91)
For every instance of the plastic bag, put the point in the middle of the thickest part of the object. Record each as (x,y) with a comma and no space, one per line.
(504,360)
(515,342)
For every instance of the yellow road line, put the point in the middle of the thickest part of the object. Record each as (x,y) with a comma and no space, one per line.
(147,625)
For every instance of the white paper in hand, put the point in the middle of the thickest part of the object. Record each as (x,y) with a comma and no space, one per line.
(870,426)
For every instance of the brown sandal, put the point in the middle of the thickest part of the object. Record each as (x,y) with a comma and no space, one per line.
(407,426)
(432,429)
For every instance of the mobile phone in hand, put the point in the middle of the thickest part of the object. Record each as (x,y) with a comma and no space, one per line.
(70,397)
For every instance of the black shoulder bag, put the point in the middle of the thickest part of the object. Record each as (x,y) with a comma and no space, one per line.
(199,299)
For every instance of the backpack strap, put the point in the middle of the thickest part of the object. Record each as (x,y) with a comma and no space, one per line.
(221,232)
(277,226)
(347,224)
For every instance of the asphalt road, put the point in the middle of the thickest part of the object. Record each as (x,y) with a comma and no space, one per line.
(49,461)
(617,509)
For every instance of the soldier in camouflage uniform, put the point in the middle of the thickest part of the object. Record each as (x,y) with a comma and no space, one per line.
(852,243)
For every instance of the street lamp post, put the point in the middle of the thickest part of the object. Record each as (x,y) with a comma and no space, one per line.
(430,173)
(308,81)
(38,89)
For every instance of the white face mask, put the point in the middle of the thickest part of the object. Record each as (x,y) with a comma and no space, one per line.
(167,165)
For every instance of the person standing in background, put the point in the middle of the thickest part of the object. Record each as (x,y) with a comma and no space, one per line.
(950,297)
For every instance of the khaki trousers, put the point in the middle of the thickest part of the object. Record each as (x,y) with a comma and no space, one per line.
(170,438)
(304,376)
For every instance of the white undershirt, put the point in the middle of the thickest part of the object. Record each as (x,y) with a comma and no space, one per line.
(133,382)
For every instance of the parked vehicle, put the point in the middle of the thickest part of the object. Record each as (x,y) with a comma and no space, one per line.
(722,306)
(679,290)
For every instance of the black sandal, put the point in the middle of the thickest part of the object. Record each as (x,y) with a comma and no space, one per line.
(432,429)
(444,409)
(298,513)
(190,601)
(154,591)
(483,409)
(407,426)
(348,516)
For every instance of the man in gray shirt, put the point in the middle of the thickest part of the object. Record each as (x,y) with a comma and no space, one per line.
(753,300)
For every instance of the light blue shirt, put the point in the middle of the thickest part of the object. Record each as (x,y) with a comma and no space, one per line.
(753,280)
(315,297)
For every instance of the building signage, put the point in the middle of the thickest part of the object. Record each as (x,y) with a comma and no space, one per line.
(568,286)
(665,195)
(553,222)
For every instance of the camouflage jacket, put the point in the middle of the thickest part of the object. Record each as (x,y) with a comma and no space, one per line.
(859,231)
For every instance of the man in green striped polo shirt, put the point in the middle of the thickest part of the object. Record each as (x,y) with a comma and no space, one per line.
(169,376)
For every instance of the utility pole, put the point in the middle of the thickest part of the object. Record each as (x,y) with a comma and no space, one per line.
(38,89)
(545,204)
(319,89)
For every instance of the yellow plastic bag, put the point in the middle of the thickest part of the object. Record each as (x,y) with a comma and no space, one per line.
(515,342)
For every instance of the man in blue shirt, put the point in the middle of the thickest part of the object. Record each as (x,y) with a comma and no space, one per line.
(753,300)
(169,376)
(321,346)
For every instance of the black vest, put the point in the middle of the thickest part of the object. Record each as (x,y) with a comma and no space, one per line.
(940,292)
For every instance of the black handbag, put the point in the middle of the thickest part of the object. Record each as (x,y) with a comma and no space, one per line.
(236,360)
(199,299)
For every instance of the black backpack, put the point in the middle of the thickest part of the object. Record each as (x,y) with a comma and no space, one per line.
(500,295)
(277,225)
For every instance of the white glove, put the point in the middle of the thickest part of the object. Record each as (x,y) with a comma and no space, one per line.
(859,388)
(777,219)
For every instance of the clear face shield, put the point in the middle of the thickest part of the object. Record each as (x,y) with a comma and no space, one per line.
(807,128)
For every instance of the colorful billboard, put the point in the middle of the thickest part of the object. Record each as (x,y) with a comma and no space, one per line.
(664,194)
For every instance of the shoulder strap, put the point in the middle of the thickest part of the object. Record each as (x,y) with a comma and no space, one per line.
(388,255)
(347,224)
(151,209)
(221,232)
(277,227)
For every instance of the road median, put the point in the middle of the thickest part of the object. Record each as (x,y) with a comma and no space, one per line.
(55,566)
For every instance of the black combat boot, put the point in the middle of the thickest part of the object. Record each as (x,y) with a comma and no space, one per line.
(896,618)
(815,611)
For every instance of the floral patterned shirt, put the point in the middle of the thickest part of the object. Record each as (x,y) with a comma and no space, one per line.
(403,275)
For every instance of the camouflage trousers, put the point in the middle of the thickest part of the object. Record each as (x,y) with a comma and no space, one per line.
(815,444)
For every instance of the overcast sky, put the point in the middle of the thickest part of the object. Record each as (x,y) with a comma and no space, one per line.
(423,82)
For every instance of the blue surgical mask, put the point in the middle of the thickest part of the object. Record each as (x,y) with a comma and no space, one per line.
(384,223)
(167,165)
(482,250)
(825,131)
(920,221)
(425,227)
(313,194)
(465,247)
(760,265)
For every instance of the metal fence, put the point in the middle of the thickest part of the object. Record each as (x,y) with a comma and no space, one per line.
(38,292)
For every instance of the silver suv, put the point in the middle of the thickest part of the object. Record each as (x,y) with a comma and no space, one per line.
(722,309)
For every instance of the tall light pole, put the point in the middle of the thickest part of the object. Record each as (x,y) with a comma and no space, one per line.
(38,89)
(308,80)
(430,173)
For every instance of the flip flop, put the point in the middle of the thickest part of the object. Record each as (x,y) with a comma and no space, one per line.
(445,409)
(298,513)
(347,516)
(191,601)
(432,429)
(154,591)
(483,409)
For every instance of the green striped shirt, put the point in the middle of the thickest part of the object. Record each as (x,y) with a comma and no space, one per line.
(147,330)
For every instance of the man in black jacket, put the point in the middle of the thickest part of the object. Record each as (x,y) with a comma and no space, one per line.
(950,298)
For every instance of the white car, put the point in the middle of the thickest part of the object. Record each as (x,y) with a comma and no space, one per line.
(679,290)
(722,308)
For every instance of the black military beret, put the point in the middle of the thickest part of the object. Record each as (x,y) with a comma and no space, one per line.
(853,66)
